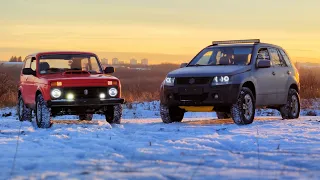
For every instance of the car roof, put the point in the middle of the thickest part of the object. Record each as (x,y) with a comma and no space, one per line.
(245,45)
(61,52)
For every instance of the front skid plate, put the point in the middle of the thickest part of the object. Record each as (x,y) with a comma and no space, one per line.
(197,108)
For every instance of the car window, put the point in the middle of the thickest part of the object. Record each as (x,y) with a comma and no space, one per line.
(205,58)
(263,54)
(33,64)
(285,57)
(275,58)
(27,63)
(230,55)
(58,63)
(91,65)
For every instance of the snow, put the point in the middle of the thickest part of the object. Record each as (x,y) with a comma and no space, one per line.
(142,147)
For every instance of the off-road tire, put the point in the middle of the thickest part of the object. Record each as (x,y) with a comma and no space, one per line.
(43,113)
(238,110)
(24,113)
(287,111)
(223,115)
(172,114)
(114,114)
(85,117)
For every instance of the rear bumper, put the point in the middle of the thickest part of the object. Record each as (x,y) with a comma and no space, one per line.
(84,102)
(218,96)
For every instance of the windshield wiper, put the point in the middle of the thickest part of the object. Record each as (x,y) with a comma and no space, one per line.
(197,65)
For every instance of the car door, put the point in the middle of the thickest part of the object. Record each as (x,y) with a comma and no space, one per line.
(280,69)
(286,71)
(265,78)
(32,80)
(25,82)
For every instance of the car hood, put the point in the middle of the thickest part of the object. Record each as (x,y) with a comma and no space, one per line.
(208,71)
(78,80)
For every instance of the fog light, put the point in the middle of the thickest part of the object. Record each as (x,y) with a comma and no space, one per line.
(113,92)
(216,96)
(70,96)
(102,95)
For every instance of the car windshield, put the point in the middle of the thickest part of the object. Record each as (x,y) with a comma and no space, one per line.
(214,56)
(58,63)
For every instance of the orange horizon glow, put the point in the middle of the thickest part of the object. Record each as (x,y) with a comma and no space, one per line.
(166,31)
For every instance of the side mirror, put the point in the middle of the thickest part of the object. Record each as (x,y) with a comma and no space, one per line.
(183,65)
(28,71)
(263,63)
(109,70)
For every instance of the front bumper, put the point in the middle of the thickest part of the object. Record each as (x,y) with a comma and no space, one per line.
(84,102)
(200,95)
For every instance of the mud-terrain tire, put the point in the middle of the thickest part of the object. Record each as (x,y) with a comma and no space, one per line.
(223,115)
(172,114)
(85,117)
(43,113)
(291,110)
(24,113)
(114,114)
(242,112)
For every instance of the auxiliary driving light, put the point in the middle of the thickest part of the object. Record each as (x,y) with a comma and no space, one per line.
(113,92)
(70,96)
(102,95)
(56,93)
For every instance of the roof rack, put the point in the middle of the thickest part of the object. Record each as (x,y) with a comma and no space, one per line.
(236,41)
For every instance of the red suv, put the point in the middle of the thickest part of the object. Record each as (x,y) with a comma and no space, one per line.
(67,83)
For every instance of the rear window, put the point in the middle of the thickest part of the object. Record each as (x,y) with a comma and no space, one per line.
(285,57)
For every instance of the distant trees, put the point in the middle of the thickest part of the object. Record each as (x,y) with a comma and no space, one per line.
(15,59)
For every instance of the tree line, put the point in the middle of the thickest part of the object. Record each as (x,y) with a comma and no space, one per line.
(15,59)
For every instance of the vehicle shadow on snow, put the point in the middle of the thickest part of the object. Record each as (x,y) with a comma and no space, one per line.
(75,122)
(187,121)
(227,121)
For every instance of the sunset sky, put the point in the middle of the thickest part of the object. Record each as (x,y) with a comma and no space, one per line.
(151,28)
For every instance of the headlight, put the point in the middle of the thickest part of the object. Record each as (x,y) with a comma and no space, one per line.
(221,80)
(113,92)
(56,93)
(169,81)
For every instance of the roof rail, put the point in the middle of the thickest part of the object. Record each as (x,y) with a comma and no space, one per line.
(236,41)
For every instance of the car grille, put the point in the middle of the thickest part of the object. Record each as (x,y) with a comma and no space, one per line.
(79,92)
(193,80)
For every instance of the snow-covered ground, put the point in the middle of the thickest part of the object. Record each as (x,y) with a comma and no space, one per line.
(142,147)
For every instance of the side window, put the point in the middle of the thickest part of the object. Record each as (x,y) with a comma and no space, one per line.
(263,54)
(33,63)
(285,57)
(27,63)
(275,58)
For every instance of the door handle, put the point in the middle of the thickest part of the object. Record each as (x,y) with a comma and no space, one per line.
(289,72)
(273,73)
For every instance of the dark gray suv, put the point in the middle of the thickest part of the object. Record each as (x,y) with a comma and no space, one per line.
(233,78)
